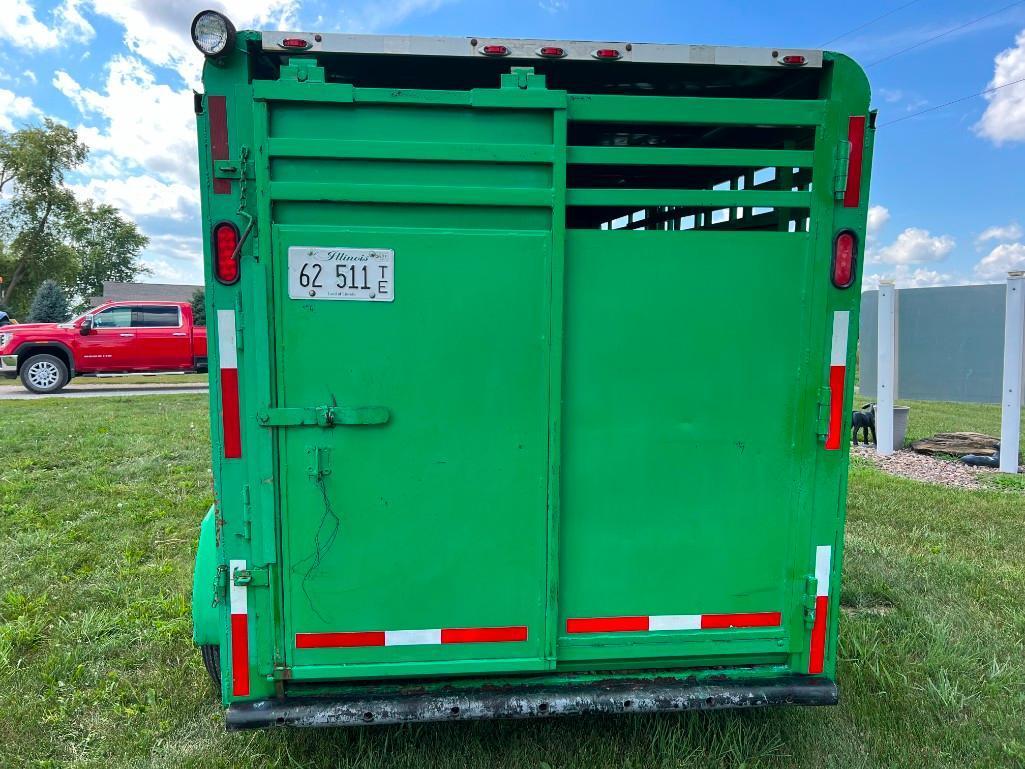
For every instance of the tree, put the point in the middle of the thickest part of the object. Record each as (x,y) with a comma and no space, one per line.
(45,232)
(50,304)
(33,219)
(199,307)
(108,247)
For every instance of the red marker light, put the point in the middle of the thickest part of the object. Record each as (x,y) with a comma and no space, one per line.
(495,50)
(844,259)
(551,52)
(607,53)
(294,42)
(225,242)
(794,60)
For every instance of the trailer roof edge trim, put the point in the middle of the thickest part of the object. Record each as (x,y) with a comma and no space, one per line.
(528,49)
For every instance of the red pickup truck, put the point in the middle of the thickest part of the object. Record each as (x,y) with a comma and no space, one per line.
(118,337)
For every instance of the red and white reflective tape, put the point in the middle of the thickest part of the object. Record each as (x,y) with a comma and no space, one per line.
(239,604)
(653,622)
(428,637)
(837,378)
(823,563)
(228,355)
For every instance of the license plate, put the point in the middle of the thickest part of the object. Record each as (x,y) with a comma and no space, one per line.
(353,274)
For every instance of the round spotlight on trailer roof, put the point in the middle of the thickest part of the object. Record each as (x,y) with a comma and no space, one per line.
(212,33)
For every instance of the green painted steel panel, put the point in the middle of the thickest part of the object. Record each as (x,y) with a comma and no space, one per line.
(445,502)
(548,425)
(694,110)
(665,427)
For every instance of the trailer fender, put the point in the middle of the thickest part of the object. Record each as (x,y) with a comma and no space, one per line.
(204,584)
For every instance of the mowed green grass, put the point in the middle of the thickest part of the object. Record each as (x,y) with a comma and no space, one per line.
(100,501)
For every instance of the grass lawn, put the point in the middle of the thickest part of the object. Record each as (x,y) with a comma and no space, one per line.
(930,417)
(153,379)
(100,502)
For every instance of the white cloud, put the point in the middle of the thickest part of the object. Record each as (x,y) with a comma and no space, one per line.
(1002,234)
(913,246)
(159,31)
(15,110)
(906,277)
(1004,118)
(70,22)
(143,196)
(144,124)
(553,6)
(19,24)
(174,258)
(1001,260)
(878,216)
(30,76)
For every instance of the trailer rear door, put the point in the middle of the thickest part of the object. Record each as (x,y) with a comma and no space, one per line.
(414,531)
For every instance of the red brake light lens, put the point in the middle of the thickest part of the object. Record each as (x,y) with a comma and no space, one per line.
(495,50)
(607,53)
(794,60)
(225,259)
(294,42)
(845,259)
(551,52)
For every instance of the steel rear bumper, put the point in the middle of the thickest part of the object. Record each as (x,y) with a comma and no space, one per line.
(538,701)
(8,365)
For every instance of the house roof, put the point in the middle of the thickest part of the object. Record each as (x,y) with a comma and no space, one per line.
(144,292)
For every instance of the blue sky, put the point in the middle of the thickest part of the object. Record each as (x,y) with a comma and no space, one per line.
(948,191)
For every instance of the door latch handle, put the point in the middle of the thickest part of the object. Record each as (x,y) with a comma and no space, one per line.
(324,416)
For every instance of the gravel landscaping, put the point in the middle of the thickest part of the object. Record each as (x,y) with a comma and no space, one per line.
(920,467)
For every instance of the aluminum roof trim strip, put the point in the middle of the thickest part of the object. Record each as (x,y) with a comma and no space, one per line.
(520,49)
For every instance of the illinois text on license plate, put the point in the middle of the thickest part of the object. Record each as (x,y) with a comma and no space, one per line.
(354,274)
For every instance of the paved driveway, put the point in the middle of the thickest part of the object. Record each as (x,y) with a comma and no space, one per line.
(17,392)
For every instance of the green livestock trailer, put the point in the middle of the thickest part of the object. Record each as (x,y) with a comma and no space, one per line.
(530,373)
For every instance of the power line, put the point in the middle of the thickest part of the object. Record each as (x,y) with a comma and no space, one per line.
(953,101)
(870,22)
(944,34)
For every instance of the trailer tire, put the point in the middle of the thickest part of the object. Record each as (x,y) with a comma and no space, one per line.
(44,374)
(212,662)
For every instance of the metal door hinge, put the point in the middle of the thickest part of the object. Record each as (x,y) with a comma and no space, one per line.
(811,590)
(822,420)
(220,584)
(247,514)
(843,155)
(254,576)
(324,416)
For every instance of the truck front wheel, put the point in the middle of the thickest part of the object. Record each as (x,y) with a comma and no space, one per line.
(44,374)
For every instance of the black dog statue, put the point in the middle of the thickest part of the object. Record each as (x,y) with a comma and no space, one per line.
(864,420)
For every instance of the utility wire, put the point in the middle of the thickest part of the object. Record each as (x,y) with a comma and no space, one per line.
(953,101)
(944,34)
(869,23)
